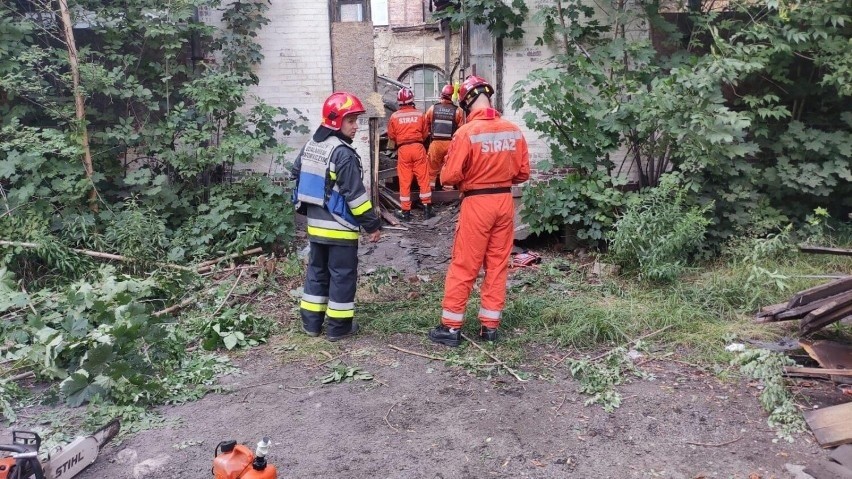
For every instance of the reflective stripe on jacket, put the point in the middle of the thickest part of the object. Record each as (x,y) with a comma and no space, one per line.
(442,120)
(347,204)
(312,184)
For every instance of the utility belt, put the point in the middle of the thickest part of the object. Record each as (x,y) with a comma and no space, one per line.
(488,191)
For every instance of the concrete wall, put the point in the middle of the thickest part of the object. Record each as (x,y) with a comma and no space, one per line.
(519,58)
(522,56)
(399,51)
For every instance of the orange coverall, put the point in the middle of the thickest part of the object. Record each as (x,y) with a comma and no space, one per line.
(407,128)
(438,148)
(488,153)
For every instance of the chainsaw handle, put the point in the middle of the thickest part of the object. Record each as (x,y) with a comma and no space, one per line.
(16,448)
(27,464)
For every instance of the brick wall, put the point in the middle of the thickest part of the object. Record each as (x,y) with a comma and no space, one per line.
(408,12)
(296,69)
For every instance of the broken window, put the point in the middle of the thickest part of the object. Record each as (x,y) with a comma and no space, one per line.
(351,10)
(481,51)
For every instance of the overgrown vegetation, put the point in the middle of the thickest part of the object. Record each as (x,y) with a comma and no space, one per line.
(768,368)
(168,125)
(585,316)
(747,111)
(657,234)
(502,20)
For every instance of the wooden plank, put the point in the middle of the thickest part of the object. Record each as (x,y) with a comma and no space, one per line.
(840,302)
(843,455)
(390,218)
(821,291)
(764,319)
(387,174)
(821,250)
(800,311)
(817,371)
(831,426)
(828,470)
(809,323)
(829,354)
(390,197)
(767,313)
(774,308)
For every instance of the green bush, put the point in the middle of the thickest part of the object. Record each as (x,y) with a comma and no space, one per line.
(658,232)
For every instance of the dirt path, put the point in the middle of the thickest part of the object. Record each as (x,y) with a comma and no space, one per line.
(422,419)
(425,419)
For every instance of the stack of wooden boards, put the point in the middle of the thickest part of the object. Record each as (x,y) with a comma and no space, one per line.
(815,308)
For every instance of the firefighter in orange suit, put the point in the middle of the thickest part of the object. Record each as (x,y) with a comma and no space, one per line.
(442,121)
(486,157)
(407,128)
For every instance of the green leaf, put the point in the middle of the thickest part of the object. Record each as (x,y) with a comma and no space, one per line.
(78,389)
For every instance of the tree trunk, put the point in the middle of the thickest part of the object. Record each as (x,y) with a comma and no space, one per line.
(78,100)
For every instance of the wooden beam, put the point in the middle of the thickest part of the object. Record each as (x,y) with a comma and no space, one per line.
(387,174)
(811,322)
(821,250)
(822,291)
(831,426)
(817,371)
(800,311)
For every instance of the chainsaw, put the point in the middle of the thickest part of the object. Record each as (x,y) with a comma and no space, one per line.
(63,462)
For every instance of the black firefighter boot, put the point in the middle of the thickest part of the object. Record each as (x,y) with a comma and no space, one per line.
(428,212)
(487,334)
(446,336)
(403,215)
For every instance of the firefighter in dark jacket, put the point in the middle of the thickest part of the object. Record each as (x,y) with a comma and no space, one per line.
(331,192)
(442,121)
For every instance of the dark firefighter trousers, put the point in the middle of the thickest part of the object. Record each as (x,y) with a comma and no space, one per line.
(330,288)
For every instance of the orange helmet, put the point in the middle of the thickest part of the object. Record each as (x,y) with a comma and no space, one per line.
(447,92)
(338,105)
(471,88)
(405,96)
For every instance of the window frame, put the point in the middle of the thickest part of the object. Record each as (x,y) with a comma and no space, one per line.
(335,6)
(439,80)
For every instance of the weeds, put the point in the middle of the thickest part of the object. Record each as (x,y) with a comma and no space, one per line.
(341,373)
(768,368)
(598,379)
(657,234)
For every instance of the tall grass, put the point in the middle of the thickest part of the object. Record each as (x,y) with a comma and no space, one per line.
(557,304)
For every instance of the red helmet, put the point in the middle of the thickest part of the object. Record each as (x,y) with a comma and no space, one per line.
(338,105)
(447,92)
(405,96)
(471,88)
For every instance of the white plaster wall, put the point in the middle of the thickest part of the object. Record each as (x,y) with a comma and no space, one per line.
(522,56)
(519,58)
(296,69)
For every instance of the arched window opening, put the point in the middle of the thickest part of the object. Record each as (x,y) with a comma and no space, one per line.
(426,82)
